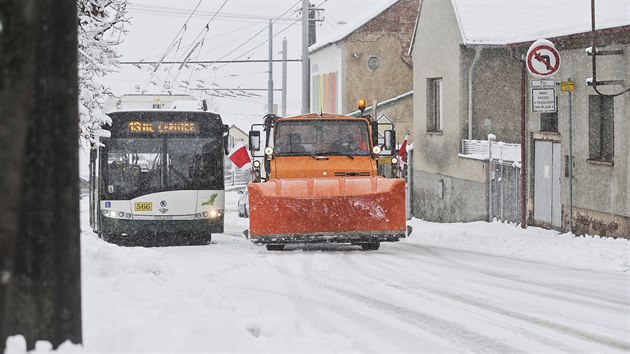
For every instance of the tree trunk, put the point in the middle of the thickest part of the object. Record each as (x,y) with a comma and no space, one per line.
(40,265)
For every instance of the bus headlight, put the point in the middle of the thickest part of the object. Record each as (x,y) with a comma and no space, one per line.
(256,164)
(376,150)
(394,160)
(268,151)
(210,214)
(113,214)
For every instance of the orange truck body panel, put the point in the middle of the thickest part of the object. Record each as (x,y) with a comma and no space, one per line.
(350,208)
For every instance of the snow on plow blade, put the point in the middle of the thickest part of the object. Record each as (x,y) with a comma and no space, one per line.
(337,209)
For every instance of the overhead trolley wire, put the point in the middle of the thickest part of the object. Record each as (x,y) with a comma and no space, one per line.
(205,30)
(179,36)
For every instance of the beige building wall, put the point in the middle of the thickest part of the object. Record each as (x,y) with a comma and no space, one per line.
(440,177)
(393,76)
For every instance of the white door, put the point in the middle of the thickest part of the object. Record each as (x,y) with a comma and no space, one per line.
(547,203)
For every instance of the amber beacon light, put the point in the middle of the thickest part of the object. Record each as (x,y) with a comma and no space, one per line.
(362,104)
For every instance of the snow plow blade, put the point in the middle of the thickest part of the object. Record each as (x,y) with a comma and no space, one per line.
(331,209)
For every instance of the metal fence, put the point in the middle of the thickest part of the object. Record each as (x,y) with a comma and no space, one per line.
(505,191)
(236,177)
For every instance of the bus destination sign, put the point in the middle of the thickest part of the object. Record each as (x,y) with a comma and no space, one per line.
(163,127)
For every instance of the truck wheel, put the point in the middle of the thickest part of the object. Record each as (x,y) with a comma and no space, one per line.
(276,247)
(371,246)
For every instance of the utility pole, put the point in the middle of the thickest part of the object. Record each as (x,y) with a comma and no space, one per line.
(40,253)
(270,82)
(284,77)
(306,72)
(312,21)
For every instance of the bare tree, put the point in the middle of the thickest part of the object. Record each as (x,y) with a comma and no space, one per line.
(40,268)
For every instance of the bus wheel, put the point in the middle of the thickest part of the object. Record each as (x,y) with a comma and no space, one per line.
(200,239)
(275,247)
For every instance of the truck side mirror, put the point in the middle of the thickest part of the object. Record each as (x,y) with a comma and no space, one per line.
(254,140)
(390,140)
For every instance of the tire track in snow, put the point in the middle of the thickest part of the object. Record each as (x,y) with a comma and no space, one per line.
(385,329)
(587,295)
(481,304)
(452,332)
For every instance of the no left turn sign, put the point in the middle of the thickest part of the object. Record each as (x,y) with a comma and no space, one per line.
(543,59)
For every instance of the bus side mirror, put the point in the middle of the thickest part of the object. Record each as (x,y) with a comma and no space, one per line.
(254,140)
(390,140)
(226,138)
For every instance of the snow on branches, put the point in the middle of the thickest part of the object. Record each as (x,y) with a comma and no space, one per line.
(101,26)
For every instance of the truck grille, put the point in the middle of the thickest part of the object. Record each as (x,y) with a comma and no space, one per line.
(341,174)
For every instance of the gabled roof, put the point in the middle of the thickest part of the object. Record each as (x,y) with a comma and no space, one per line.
(352,26)
(233,126)
(511,21)
(500,22)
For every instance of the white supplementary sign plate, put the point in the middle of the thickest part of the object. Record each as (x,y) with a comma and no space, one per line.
(544,100)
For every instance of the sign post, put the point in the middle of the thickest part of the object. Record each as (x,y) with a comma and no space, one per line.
(569,86)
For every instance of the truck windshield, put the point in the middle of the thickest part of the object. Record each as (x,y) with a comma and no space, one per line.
(321,137)
(136,167)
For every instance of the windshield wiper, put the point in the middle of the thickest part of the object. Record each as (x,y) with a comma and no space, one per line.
(334,153)
(180,175)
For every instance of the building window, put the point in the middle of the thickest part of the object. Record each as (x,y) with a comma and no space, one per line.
(601,139)
(549,122)
(434,105)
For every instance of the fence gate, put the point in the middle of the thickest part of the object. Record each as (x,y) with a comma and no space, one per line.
(505,191)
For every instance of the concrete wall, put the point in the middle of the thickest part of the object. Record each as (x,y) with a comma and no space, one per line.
(496,95)
(393,77)
(436,54)
(386,38)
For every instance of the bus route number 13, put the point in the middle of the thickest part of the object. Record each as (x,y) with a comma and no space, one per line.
(143,206)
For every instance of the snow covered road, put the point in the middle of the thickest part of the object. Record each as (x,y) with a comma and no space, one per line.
(507,291)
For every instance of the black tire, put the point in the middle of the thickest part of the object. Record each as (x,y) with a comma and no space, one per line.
(200,239)
(371,246)
(275,247)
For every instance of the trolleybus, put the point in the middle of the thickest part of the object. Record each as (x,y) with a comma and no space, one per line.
(158,178)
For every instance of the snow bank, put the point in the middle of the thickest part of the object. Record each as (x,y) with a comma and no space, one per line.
(532,243)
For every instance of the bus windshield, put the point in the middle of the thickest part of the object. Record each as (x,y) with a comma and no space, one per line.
(321,137)
(138,166)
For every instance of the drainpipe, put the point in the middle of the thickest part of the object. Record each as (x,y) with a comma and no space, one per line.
(491,139)
(470,90)
(523,133)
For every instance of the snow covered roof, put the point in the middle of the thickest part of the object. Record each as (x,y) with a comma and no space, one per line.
(352,26)
(512,21)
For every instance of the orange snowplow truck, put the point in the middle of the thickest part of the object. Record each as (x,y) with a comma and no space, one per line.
(319,183)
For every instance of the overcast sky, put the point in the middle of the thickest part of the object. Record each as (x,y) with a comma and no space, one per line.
(239,31)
